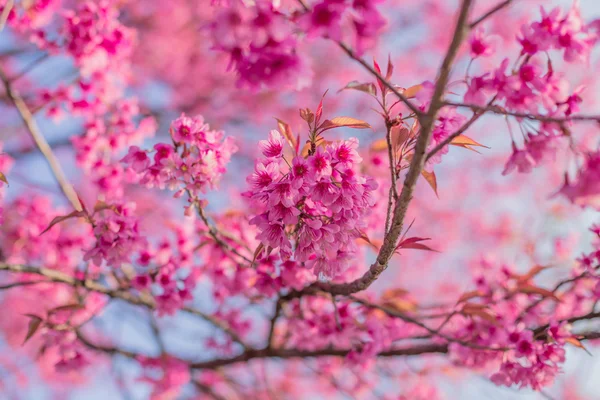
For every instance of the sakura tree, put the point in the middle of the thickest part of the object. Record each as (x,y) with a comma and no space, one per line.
(286,199)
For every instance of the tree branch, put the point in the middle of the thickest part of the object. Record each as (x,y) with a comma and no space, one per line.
(414,171)
(41,142)
(534,117)
(143,300)
(490,12)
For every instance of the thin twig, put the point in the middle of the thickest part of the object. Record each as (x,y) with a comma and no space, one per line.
(489,13)
(141,300)
(41,142)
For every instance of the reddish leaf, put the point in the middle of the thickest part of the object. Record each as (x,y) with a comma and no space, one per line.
(307,115)
(340,122)
(390,69)
(469,295)
(466,143)
(398,299)
(319,112)
(56,220)
(34,325)
(465,140)
(413,243)
(364,237)
(3,178)
(66,307)
(479,310)
(258,250)
(431,179)
(376,66)
(532,289)
(366,87)
(400,135)
(536,269)
(402,305)
(575,342)
(412,91)
(286,131)
(379,145)
(393,293)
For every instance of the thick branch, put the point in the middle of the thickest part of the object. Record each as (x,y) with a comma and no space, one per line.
(293,353)
(414,171)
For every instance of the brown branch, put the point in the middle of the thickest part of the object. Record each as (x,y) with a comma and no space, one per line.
(294,353)
(41,142)
(414,171)
(21,284)
(534,117)
(143,300)
(273,322)
(213,232)
(489,13)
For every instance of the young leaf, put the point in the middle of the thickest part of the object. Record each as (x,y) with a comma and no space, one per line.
(399,300)
(379,82)
(432,180)
(577,343)
(413,243)
(67,307)
(364,237)
(532,289)
(34,325)
(400,135)
(340,122)
(478,310)
(469,295)
(366,87)
(307,115)
(319,112)
(412,91)
(379,145)
(536,269)
(258,250)
(56,220)
(3,178)
(286,131)
(390,69)
(466,142)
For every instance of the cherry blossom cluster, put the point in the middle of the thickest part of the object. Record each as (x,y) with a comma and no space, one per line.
(532,84)
(585,190)
(95,37)
(25,237)
(260,42)
(567,33)
(328,18)
(318,201)
(262,39)
(194,163)
(497,327)
(167,271)
(117,236)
